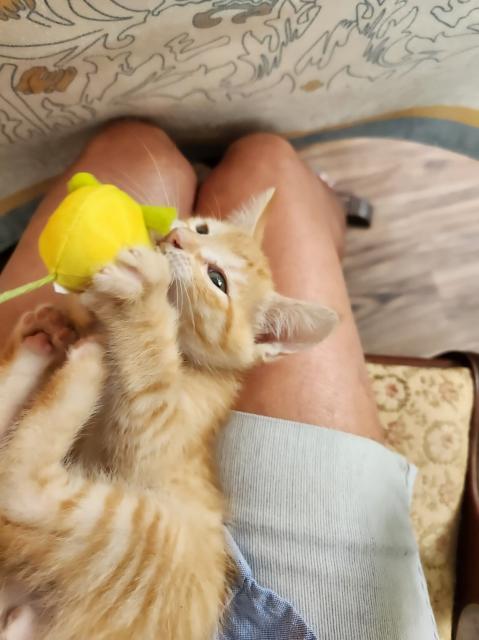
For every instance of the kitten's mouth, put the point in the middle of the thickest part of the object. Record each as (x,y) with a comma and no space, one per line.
(176,257)
(181,271)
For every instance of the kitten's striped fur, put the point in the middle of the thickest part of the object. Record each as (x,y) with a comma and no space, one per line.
(129,542)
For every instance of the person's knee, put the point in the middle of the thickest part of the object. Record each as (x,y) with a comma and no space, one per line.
(279,164)
(266,149)
(124,136)
(273,155)
(142,159)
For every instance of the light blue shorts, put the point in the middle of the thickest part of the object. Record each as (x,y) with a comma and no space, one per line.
(322,519)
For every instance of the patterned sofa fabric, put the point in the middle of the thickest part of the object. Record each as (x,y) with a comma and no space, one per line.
(206,69)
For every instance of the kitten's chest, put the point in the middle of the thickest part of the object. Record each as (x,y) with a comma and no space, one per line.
(128,440)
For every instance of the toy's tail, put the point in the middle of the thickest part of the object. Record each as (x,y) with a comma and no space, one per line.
(26,288)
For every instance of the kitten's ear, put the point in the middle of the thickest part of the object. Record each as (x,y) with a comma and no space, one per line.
(285,325)
(251,217)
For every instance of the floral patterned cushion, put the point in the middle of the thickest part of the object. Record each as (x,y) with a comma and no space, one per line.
(426,414)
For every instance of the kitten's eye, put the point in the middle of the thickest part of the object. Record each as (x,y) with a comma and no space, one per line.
(218,279)
(202,228)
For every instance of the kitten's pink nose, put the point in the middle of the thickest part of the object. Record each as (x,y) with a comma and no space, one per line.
(174,238)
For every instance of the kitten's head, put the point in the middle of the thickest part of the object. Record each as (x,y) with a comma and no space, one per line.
(229,313)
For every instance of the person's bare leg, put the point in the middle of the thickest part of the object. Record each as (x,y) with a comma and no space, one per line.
(328,385)
(134,155)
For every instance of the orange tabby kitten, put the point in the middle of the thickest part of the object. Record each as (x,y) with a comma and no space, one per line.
(130,543)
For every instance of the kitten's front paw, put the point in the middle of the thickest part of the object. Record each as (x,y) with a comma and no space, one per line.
(87,356)
(20,624)
(133,273)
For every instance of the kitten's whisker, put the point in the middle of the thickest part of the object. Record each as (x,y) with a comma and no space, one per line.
(138,186)
(177,194)
(178,293)
(160,177)
(132,187)
(218,214)
(190,308)
(182,293)
(176,201)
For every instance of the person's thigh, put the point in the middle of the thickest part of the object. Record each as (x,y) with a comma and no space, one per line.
(327,385)
(137,157)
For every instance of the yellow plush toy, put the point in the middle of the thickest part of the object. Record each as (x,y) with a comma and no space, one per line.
(87,231)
